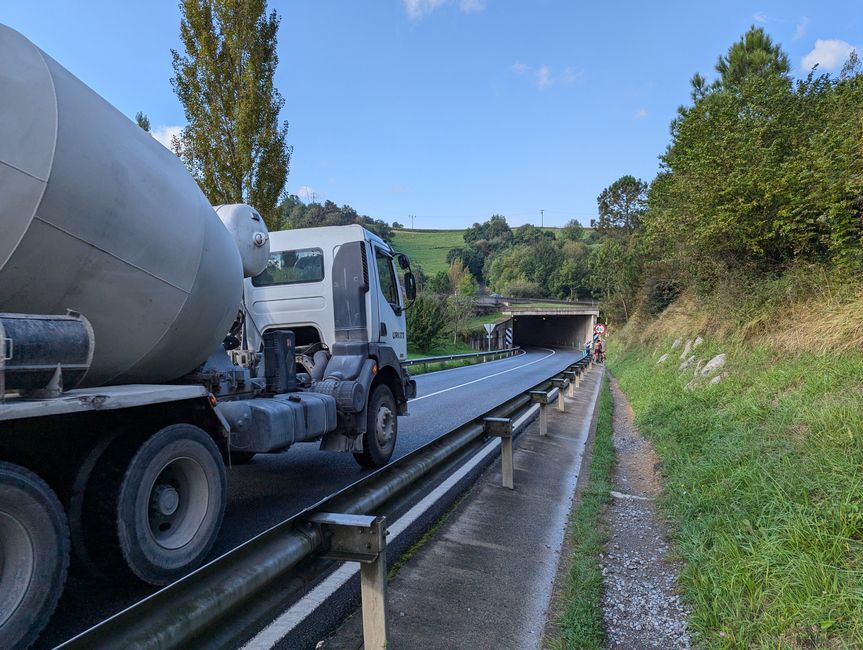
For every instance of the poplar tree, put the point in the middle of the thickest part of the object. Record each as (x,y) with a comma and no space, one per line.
(234,143)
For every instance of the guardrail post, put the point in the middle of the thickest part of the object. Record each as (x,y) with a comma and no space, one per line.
(360,538)
(560,384)
(572,376)
(577,369)
(502,428)
(541,397)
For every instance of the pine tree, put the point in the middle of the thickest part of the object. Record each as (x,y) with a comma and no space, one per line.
(234,144)
(143,121)
(755,53)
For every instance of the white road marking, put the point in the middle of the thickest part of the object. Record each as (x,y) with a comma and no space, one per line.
(502,372)
(302,609)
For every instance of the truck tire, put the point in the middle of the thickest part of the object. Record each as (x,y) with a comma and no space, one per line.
(161,507)
(34,555)
(382,429)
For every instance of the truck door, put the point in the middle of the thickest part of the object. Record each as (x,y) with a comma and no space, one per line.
(391,312)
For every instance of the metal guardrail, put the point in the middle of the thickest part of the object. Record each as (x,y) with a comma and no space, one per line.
(455,357)
(221,598)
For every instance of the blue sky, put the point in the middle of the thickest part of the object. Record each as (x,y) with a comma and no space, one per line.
(454,110)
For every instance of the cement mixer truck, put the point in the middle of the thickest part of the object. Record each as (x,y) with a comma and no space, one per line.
(149,340)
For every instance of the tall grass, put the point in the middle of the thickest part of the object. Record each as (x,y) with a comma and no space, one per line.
(580,623)
(764,490)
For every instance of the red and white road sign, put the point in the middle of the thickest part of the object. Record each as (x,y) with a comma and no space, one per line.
(599,328)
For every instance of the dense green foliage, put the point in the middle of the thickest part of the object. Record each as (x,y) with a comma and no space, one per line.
(763,490)
(426,319)
(293,213)
(762,175)
(580,621)
(233,143)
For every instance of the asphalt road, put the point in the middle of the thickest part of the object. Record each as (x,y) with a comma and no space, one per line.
(275,486)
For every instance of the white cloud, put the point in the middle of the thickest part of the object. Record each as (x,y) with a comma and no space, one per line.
(800,30)
(164,134)
(571,75)
(543,76)
(760,17)
(419,9)
(640,113)
(828,55)
(307,193)
(472,6)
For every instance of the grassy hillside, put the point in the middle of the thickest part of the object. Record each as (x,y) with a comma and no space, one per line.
(763,471)
(428,248)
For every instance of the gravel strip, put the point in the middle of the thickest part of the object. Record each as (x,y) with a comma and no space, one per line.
(641,604)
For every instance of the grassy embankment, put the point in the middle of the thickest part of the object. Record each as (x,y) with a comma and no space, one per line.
(579,621)
(763,472)
(428,248)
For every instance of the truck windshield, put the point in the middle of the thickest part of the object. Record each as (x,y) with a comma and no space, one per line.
(292,267)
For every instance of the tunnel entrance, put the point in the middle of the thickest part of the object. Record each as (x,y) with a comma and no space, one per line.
(559,326)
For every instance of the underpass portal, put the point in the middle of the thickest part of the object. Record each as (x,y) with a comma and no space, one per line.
(552,331)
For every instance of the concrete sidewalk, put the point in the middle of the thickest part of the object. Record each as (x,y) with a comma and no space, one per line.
(485,579)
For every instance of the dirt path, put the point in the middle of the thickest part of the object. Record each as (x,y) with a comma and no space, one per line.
(642,608)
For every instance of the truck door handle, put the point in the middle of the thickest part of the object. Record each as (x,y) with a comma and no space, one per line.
(383,329)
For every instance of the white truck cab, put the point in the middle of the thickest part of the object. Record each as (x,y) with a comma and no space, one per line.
(295,292)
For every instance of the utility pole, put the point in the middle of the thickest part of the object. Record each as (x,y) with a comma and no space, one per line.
(541,218)
(412,217)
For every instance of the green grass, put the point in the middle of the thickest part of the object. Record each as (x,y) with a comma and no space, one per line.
(427,536)
(580,619)
(477,322)
(764,492)
(441,349)
(428,248)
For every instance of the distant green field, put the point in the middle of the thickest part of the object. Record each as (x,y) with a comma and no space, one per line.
(428,248)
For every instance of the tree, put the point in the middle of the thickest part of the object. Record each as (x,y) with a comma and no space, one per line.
(295,214)
(426,319)
(615,273)
(455,273)
(621,206)
(530,234)
(572,279)
(143,121)
(754,54)
(233,144)
(438,283)
(572,231)
(467,286)
(459,310)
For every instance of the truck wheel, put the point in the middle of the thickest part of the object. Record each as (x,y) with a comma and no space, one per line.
(34,555)
(382,428)
(161,506)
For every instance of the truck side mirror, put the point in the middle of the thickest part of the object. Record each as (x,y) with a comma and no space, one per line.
(404,261)
(410,286)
